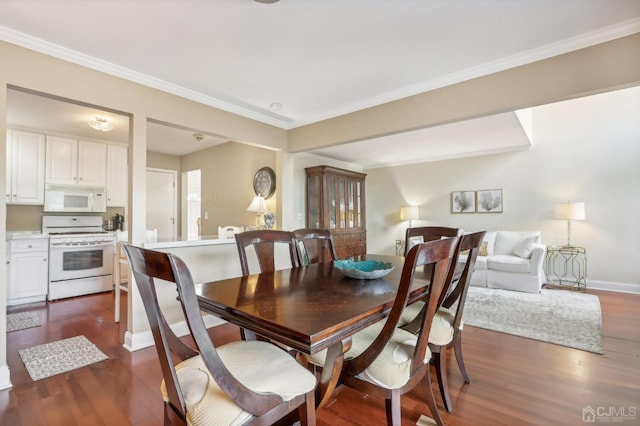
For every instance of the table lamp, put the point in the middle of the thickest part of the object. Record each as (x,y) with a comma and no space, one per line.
(570,211)
(409,213)
(258,205)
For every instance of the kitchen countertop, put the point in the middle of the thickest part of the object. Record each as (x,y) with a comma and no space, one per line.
(23,235)
(201,240)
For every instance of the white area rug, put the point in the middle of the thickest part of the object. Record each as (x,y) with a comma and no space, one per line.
(59,357)
(556,316)
(425,421)
(22,320)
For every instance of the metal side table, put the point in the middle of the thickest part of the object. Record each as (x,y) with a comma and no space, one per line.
(566,267)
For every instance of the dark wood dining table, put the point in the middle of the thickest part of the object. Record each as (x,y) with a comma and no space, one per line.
(309,308)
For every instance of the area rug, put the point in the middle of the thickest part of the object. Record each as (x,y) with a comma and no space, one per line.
(22,320)
(59,357)
(556,316)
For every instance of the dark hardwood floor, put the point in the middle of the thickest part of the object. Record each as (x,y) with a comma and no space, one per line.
(514,381)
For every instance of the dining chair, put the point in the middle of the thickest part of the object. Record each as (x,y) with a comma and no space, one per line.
(423,234)
(387,361)
(446,330)
(264,242)
(315,245)
(242,382)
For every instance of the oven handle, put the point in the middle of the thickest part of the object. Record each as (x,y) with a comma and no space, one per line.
(71,246)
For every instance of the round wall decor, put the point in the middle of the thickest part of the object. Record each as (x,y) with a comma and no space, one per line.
(264,182)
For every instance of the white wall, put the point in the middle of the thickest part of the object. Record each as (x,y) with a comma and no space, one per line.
(583,150)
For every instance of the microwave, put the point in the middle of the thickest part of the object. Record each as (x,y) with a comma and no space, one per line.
(75,199)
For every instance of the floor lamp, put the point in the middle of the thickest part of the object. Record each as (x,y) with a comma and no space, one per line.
(570,211)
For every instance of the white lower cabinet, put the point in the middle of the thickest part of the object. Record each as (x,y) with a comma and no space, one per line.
(27,270)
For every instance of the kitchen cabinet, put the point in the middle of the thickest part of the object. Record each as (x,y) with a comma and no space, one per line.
(336,201)
(76,162)
(25,167)
(27,270)
(117,185)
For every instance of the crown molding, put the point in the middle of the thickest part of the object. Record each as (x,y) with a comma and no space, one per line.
(60,52)
(565,46)
(574,43)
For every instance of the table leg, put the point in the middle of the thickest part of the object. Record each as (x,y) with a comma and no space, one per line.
(331,371)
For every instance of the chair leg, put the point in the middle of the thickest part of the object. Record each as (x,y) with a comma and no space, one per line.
(457,347)
(307,411)
(440,362)
(393,408)
(430,398)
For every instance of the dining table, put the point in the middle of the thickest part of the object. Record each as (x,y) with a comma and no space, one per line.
(309,308)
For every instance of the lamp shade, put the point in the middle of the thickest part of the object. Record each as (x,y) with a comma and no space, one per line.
(257,205)
(570,211)
(409,213)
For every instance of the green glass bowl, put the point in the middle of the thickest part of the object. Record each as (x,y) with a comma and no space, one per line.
(363,269)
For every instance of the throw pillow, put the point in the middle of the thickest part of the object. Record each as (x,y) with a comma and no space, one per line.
(484,249)
(525,248)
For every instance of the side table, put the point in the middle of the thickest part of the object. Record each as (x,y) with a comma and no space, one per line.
(566,267)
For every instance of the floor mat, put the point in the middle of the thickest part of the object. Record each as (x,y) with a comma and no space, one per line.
(22,320)
(58,357)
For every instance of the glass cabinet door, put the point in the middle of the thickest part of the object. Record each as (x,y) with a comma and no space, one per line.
(331,199)
(313,201)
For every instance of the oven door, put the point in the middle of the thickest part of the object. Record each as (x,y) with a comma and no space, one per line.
(67,261)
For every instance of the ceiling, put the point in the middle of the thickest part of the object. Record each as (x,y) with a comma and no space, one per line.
(316,58)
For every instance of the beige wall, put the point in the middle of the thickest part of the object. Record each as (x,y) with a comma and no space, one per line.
(582,151)
(227,183)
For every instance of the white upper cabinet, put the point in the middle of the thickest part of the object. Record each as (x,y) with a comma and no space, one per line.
(25,167)
(73,162)
(116,176)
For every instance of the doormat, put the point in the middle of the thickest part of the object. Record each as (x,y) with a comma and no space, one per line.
(58,357)
(22,320)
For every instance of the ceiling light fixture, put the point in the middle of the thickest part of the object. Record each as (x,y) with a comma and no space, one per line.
(267,1)
(101,124)
(199,137)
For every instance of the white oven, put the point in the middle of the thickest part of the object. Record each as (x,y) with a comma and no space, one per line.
(80,256)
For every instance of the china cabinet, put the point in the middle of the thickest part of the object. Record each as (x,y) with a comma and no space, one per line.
(336,201)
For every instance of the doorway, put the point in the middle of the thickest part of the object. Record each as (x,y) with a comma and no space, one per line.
(191,206)
(161,203)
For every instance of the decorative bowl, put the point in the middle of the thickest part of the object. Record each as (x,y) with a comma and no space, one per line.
(364,269)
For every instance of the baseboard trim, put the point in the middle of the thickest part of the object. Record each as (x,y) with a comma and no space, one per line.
(5,377)
(613,286)
(144,339)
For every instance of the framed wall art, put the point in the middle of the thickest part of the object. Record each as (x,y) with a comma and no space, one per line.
(463,202)
(489,201)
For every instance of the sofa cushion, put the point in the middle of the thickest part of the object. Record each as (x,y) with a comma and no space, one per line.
(525,247)
(490,239)
(506,241)
(508,263)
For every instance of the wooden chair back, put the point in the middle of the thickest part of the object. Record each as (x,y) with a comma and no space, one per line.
(470,245)
(428,233)
(264,243)
(317,246)
(147,266)
(438,254)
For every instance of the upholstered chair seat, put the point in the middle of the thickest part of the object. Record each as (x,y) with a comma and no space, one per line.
(441,327)
(260,366)
(391,369)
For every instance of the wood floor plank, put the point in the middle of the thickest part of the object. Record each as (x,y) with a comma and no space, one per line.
(514,380)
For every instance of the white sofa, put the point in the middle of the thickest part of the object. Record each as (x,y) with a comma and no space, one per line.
(512,260)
